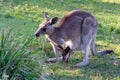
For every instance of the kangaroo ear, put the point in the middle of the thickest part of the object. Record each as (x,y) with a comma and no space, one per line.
(47,18)
(53,20)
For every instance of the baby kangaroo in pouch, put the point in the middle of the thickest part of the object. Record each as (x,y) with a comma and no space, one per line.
(75,31)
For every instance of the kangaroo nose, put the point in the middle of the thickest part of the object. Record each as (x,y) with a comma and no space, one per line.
(37,35)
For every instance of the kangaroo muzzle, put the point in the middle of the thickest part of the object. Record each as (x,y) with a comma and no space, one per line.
(37,33)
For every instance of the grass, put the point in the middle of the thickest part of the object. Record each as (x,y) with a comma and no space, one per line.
(16,59)
(24,17)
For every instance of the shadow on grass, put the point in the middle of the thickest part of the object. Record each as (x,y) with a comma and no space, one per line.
(100,68)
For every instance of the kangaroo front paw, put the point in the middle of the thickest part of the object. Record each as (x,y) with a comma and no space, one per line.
(50,60)
(53,60)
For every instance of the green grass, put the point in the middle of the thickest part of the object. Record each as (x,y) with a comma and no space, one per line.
(24,17)
(17,60)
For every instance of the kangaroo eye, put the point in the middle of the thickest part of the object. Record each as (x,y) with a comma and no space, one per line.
(44,29)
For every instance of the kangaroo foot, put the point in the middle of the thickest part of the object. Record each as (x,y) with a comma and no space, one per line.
(78,65)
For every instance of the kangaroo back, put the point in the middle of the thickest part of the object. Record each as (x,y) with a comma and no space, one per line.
(71,23)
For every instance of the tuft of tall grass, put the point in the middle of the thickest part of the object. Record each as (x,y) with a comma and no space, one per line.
(16,59)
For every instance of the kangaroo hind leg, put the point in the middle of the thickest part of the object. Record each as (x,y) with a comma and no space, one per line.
(92,45)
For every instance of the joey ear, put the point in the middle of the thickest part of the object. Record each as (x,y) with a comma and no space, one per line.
(47,18)
(54,20)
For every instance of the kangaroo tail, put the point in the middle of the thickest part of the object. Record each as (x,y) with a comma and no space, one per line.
(100,53)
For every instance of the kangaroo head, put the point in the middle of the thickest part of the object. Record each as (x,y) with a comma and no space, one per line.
(46,27)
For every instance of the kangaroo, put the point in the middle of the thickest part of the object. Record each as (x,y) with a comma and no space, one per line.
(76,30)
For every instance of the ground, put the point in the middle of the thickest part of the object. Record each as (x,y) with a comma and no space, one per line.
(24,17)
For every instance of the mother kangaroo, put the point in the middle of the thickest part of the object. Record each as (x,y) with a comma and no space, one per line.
(77,29)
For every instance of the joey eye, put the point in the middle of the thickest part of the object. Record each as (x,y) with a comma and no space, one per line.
(44,29)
